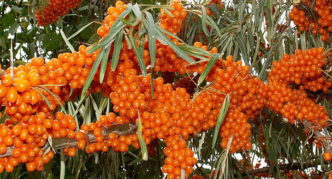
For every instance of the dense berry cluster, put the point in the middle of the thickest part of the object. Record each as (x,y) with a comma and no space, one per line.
(319,22)
(178,157)
(288,81)
(172,20)
(53,10)
(112,14)
(168,112)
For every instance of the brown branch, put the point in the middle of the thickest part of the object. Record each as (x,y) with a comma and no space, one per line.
(61,143)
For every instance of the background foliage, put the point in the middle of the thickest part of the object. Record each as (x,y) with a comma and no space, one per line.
(257,32)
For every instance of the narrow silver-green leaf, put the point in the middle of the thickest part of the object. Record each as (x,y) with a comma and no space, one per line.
(80,30)
(208,68)
(116,28)
(71,48)
(45,99)
(140,138)
(104,64)
(205,30)
(162,37)
(117,50)
(138,54)
(152,38)
(92,73)
(221,117)
(54,96)
(137,12)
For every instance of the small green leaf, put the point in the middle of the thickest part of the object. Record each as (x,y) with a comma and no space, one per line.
(140,139)
(208,68)
(137,12)
(92,73)
(221,117)
(80,30)
(138,54)
(162,37)
(109,38)
(152,38)
(117,50)
(205,30)
(45,99)
(116,28)
(104,64)
(71,48)
(52,41)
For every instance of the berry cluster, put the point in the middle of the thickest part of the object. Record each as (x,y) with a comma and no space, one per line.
(112,14)
(172,20)
(54,9)
(288,81)
(319,22)
(178,157)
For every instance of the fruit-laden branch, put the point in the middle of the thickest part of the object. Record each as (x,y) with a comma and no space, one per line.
(287,167)
(61,143)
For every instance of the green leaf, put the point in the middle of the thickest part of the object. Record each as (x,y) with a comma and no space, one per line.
(71,48)
(221,117)
(92,73)
(52,41)
(208,68)
(141,140)
(109,38)
(104,64)
(45,99)
(116,28)
(152,38)
(162,37)
(205,30)
(138,54)
(137,12)
(80,30)
(169,33)
(54,96)
(117,50)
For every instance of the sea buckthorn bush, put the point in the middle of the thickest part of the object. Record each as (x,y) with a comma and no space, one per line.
(142,90)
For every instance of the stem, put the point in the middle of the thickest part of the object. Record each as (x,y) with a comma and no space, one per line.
(62,165)
(11,59)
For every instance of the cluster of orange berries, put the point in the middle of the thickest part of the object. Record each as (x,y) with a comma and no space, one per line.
(25,140)
(306,22)
(172,20)
(112,14)
(24,92)
(304,71)
(54,9)
(178,157)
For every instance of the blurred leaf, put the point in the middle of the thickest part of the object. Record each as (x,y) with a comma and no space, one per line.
(52,41)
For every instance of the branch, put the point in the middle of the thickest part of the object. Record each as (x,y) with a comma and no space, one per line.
(61,143)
